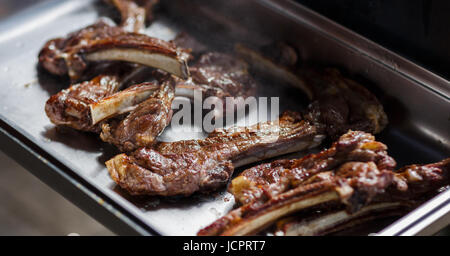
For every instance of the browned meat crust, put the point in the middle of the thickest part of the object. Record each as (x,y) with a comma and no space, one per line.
(184,167)
(149,7)
(354,183)
(143,124)
(132,15)
(70,107)
(219,75)
(263,182)
(329,222)
(411,185)
(69,55)
(222,75)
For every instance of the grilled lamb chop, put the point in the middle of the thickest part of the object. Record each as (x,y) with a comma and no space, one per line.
(70,107)
(366,175)
(363,113)
(190,43)
(263,182)
(339,103)
(265,65)
(141,126)
(215,74)
(339,220)
(184,167)
(79,105)
(102,42)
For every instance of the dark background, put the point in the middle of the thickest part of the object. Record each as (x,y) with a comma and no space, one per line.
(416,29)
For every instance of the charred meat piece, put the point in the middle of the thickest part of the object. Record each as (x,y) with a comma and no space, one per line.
(101,42)
(184,167)
(190,43)
(354,184)
(121,102)
(412,185)
(70,107)
(215,74)
(149,7)
(338,220)
(339,103)
(415,181)
(141,126)
(263,182)
(267,66)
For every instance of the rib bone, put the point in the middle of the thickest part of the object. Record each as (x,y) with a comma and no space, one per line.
(354,183)
(339,220)
(175,64)
(184,167)
(101,42)
(121,102)
(132,15)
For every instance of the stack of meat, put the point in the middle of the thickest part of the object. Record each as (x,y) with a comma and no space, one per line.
(353,181)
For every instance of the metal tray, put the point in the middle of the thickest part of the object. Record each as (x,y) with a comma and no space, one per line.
(417,102)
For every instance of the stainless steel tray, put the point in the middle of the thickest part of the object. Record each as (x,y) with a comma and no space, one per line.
(417,102)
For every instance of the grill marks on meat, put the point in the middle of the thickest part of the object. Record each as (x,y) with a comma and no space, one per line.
(263,182)
(70,107)
(363,177)
(220,75)
(132,15)
(82,106)
(339,103)
(142,125)
(184,167)
(265,65)
(101,42)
